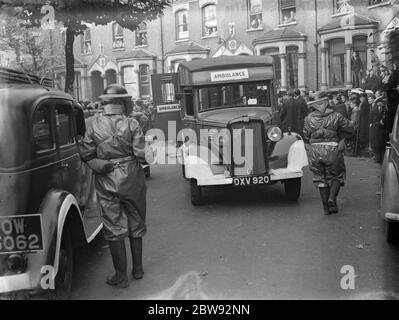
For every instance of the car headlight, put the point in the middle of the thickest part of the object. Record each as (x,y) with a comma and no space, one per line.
(274,134)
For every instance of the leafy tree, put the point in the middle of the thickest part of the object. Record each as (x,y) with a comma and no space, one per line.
(76,14)
(30,49)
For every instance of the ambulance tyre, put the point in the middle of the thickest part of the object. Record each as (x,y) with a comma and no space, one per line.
(392,232)
(196,193)
(292,189)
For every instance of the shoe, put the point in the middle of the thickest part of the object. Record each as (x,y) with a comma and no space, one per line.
(332,200)
(324,194)
(118,254)
(136,247)
(138,273)
(119,281)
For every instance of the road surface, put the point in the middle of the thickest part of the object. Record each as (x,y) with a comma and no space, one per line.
(253,244)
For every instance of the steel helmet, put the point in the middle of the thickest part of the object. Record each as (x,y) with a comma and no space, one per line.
(115,91)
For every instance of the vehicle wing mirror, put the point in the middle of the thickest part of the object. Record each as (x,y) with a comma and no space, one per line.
(178,96)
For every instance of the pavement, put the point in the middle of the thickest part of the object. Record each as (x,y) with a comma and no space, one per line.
(253,244)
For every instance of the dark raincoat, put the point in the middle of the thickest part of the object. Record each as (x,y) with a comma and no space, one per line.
(377,127)
(121,193)
(364,121)
(324,129)
(292,114)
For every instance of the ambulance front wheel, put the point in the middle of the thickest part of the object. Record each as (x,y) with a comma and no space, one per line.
(196,193)
(292,189)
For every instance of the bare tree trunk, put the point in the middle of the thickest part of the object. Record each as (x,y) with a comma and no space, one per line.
(70,60)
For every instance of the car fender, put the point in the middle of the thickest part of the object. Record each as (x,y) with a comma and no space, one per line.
(195,161)
(55,209)
(297,156)
(289,153)
(390,190)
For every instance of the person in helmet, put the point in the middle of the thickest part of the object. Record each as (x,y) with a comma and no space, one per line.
(114,147)
(323,130)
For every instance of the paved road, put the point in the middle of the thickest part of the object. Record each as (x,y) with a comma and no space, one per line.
(253,244)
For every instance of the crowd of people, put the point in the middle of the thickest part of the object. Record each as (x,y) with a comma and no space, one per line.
(371,110)
(334,123)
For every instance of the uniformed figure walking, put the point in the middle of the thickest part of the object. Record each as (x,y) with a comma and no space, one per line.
(114,147)
(323,130)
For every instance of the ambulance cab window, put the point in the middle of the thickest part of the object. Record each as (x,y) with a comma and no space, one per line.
(234,95)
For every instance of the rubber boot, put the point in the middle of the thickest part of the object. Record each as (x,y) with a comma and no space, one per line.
(118,254)
(324,194)
(136,246)
(332,200)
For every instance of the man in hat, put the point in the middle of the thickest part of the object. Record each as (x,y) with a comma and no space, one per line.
(114,147)
(292,114)
(357,69)
(324,130)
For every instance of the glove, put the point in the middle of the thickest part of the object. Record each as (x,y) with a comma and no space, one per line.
(100,166)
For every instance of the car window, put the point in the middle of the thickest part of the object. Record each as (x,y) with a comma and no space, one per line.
(42,131)
(189,102)
(64,122)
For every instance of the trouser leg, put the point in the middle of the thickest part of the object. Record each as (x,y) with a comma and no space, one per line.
(136,247)
(324,194)
(332,200)
(118,254)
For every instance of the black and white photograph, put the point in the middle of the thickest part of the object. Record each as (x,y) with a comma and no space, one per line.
(217,151)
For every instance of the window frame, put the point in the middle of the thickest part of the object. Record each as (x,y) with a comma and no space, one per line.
(139,31)
(249,2)
(203,33)
(84,41)
(381,3)
(147,83)
(48,103)
(281,8)
(177,25)
(116,36)
(68,105)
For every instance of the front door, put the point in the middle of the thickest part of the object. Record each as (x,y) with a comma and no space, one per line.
(44,174)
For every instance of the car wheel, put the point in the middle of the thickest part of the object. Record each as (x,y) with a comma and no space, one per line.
(292,189)
(63,280)
(392,232)
(196,193)
(147,172)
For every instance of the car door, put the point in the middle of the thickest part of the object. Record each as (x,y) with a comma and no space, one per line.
(393,147)
(77,177)
(67,146)
(44,172)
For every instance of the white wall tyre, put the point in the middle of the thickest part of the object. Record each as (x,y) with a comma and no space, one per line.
(63,280)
